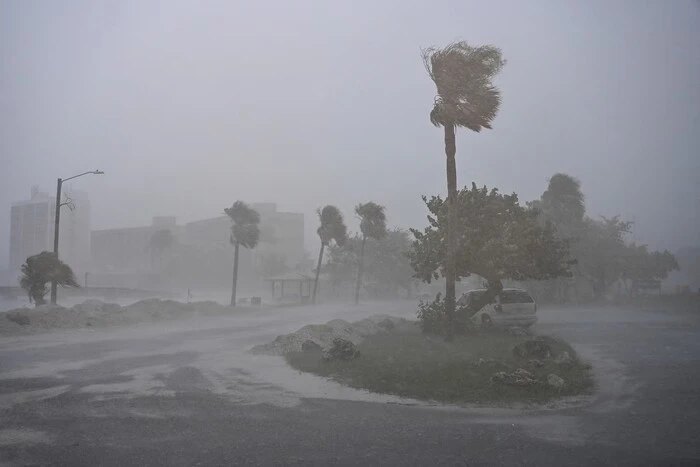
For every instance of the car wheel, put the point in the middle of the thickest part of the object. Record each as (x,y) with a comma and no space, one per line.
(486,320)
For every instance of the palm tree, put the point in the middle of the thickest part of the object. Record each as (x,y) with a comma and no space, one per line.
(465,98)
(41,269)
(244,231)
(160,241)
(372,225)
(332,228)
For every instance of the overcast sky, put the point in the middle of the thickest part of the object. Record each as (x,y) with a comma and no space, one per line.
(190,105)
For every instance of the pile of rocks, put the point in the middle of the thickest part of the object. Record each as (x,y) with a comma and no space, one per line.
(324,335)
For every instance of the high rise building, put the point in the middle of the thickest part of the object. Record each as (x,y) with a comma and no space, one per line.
(32,229)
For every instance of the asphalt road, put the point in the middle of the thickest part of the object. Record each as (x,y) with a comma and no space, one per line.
(188,393)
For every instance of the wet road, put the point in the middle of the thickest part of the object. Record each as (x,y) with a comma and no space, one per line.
(188,393)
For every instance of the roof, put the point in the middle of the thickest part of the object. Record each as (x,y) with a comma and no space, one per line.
(290,276)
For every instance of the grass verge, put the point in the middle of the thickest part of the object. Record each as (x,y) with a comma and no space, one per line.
(407,363)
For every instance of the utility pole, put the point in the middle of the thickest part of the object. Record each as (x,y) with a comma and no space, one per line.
(57,224)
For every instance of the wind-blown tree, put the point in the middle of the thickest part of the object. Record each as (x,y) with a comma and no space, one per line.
(642,265)
(41,269)
(160,241)
(245,231)
(386,264)
(467,98)
(499,240)
(332,228)
(372,225)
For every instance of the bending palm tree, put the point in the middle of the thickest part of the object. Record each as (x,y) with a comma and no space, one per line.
(332,228)
(244,231)
(41,269)
(465,98)
(372,225)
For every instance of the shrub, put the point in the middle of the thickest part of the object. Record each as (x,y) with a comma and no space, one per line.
(432,318)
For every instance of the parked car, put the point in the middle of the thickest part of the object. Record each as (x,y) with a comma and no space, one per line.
(512,307)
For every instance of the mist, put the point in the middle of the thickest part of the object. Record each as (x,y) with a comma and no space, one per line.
(188,107)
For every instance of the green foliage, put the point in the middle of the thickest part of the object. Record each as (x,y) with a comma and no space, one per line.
(497,239)
(372,220)
(466,96)
(246,224)
(332,226)
(432,318)
(41,269)
(386,268)
(599,246)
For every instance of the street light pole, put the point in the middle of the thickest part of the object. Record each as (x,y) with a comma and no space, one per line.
(57,223)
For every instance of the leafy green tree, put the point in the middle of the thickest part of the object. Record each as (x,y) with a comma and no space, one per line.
(386,265)
(245,231)
(499,240)
(639,264)
(41,269)
(467,98)
(332,228)
(372,225)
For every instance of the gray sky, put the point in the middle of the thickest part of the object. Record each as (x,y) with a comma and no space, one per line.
(188,106)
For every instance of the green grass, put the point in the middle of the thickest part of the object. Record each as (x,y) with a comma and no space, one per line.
(407,363)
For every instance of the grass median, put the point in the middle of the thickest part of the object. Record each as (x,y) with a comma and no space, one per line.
(408,363)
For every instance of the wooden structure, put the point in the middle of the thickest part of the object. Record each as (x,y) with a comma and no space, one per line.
(292,286)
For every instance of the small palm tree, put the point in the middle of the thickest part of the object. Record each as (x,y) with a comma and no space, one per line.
(465,98)
(160,241)
(332,228)
(41,269)
(244,231)
(372,225)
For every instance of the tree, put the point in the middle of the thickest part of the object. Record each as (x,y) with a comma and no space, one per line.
(244,231)
(639,264)
(600,252)
(498,239)
(465,98)
(332,228)
(41,269)
(160,241)
(372,225)
(386,264)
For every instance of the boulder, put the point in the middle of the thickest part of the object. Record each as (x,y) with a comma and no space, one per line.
(342,349)
(555,381)
(519,377)
(533,348)
(18,318)
(310,346)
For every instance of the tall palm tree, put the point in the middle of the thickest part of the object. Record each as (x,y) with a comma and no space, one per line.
(332,228)
(41,269)
(372,225)
(244,231)
(465,98)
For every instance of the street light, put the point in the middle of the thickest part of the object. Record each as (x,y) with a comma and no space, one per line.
(57,222)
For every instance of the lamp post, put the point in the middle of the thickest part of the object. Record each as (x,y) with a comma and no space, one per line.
(57,216)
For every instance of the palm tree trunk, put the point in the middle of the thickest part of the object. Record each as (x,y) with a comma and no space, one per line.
(318,272)
(450,276)
(235,274)
(360,267)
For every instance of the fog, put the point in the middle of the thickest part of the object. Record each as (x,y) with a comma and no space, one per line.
(189,106)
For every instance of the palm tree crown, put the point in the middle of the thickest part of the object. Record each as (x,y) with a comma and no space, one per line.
(462,74)
(332,226)
(372,220)
(245,229)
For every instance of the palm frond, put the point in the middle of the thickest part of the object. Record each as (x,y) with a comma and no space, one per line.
(372,219)
(245,229)
(462,75)
(332,225)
